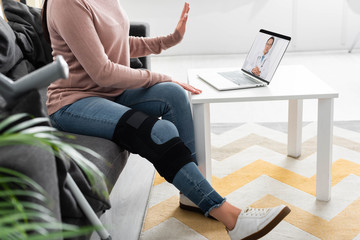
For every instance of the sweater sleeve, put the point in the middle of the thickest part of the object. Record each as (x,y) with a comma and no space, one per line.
(74,22)
(140,46)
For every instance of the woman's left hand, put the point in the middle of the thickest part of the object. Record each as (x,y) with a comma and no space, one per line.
(188,87)
(181,26)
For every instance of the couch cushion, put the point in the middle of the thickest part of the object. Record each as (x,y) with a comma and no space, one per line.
(10,52)
(115,157)
(20,157)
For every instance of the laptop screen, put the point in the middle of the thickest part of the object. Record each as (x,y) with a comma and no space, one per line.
(265,55)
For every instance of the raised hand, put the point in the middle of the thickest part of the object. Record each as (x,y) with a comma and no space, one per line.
(181,26)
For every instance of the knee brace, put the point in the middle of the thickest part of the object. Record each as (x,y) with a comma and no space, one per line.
(133,133)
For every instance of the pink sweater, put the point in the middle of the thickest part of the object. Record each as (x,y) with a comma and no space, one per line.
(93,37)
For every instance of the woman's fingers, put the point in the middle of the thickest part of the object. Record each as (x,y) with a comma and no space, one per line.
(188,87)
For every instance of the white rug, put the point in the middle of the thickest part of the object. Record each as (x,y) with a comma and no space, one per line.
(250,167)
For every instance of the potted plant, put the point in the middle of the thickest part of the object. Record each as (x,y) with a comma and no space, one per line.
(21,219)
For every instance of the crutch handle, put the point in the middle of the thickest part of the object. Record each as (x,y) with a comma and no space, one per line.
(37,79)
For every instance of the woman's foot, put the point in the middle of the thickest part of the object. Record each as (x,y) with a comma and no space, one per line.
(254,223)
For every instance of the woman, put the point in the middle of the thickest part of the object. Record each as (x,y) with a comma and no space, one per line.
(104,97)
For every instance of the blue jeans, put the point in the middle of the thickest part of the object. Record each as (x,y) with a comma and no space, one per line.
(98,117)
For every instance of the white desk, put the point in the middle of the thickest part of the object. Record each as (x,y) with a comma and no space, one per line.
(290,83)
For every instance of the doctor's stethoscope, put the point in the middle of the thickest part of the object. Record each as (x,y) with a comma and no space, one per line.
(261,61)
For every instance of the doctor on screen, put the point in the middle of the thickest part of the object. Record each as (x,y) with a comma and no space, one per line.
(260,65)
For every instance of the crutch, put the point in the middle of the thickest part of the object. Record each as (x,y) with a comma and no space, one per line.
(85,206)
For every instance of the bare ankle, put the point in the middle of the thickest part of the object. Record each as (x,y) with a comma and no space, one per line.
(227,214)
(234,217)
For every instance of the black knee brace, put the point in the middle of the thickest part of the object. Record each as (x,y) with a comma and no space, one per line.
(133,133)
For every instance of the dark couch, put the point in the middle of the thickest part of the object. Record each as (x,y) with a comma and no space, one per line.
(22,50)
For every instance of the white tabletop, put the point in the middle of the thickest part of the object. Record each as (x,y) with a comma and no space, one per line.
(289,82)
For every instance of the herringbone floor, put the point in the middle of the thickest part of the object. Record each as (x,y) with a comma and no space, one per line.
(250,167)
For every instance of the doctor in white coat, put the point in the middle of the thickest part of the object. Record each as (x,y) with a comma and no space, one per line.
(261,63)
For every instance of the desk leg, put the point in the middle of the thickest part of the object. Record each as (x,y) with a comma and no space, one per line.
(295,128)
(324,149)
(201,114)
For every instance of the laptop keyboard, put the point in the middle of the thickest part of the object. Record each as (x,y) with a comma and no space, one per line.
(238,77)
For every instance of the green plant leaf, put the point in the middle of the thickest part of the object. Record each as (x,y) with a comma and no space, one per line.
(7,206)
(18,218)
(37,136)
(18,139)
(12,119)
(65,234)
(39,129)
(24,178)
(13,180)
(26,124)
(53,231)
(23,193)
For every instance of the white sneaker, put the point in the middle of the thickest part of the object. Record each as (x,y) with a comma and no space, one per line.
(187,204)
(254,223)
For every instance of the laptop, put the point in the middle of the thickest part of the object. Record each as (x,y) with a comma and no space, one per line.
(258,68)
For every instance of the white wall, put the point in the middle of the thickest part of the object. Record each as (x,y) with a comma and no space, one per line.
(1,10)
(229,26)
(34,3)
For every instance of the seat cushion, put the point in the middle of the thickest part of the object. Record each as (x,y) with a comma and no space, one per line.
(39,165)
(115,157)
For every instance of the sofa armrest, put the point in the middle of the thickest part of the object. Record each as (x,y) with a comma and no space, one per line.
(141,29)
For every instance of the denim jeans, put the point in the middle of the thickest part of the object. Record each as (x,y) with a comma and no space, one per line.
(98,117)
(193,185)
